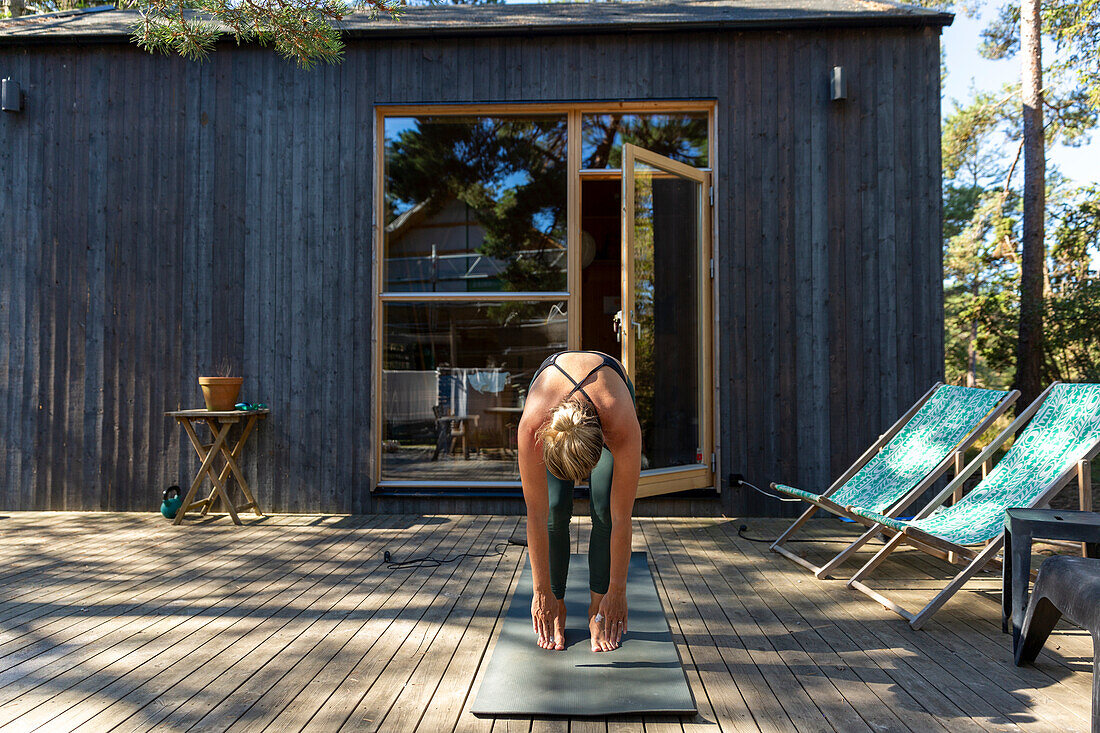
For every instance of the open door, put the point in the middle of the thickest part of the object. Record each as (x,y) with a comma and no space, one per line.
(665,322)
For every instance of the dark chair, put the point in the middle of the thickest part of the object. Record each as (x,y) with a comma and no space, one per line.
(1069,587)
(454,429)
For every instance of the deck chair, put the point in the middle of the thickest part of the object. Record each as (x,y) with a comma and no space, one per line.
(1061,439)
(903,463)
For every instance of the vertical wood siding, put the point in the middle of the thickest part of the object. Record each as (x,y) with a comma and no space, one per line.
(159,215)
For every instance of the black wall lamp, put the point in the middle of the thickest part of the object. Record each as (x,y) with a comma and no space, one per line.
(838,84)
(11,96)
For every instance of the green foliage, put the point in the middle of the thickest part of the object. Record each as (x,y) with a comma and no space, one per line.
(305,31)
(56,6)
(1001,38)
(982,233)
(982,216)
(1073,25)
(1073,299)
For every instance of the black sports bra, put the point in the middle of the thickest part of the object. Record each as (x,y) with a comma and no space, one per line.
(607,361)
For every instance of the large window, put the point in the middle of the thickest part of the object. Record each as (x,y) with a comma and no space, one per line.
(454,381)
(475,204)
(474,210)
(477,284)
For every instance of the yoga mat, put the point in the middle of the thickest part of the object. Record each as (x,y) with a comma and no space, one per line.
(644,675)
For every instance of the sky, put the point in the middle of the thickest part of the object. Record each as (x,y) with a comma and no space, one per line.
(966,70)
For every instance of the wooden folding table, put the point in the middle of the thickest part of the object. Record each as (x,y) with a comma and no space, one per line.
(220,424)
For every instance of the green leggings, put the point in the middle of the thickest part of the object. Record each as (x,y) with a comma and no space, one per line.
(561,511)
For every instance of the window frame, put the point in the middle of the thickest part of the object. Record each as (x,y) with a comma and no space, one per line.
(573,112)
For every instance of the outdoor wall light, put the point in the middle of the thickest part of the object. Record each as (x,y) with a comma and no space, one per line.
(838,84)
(11,96)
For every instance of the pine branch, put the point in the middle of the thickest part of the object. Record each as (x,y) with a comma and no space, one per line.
(305,31)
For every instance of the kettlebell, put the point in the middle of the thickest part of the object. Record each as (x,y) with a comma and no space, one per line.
(171,503)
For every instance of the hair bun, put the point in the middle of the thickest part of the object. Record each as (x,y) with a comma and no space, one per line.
(566,419)
(572,440)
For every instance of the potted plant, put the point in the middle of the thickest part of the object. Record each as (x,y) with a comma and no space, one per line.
(221,391)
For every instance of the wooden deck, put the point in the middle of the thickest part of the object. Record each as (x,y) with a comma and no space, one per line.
(123,622)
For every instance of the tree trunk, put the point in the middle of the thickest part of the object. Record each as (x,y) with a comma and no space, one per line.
(1029,348)
(15,7)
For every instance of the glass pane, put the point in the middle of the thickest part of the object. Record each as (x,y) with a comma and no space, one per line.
(475,204)
(680,136)
(454,380)
(666,317)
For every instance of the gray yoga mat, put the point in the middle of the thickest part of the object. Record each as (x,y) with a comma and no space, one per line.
(644,675)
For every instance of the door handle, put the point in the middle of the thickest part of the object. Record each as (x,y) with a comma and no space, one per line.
(637,326)
(617,325)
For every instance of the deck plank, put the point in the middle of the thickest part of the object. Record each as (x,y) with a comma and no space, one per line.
(456,685)
(850,643)
(236,706)
(294,623)
(845,699)
(375,659)
(196,709)
(426,647)
(150,668)
(420,692)
(354,639)
(132,580)
(937,663)
(971,621)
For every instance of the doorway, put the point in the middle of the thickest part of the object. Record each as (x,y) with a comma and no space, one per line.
(645,239)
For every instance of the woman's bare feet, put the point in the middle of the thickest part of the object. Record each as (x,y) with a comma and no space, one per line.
(600,642)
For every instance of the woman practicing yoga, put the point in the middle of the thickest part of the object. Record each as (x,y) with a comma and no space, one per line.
(579,421)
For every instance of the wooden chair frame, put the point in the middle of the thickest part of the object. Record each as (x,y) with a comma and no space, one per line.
(955,458)
(934,545)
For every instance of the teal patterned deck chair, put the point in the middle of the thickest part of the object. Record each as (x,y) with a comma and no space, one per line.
(1060,440)
(903,463)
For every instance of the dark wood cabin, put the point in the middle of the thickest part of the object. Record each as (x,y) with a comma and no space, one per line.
(387,248)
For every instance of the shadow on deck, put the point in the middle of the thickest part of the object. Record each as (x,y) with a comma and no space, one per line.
(124,622)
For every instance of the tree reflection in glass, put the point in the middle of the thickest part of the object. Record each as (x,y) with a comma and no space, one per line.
(681,136)
(665,316)
(475,204)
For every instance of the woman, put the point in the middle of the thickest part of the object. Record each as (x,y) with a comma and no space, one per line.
(579,421)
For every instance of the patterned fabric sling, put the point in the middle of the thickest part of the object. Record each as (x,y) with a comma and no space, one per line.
(936,430)
(1061,433)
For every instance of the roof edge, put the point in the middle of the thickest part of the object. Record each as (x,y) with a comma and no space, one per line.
(77,34)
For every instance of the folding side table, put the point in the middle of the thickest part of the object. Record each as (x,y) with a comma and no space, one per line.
(220,424)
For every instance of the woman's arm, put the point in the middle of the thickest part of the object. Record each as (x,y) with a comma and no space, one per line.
(624,440)
(532,473)
(624,489)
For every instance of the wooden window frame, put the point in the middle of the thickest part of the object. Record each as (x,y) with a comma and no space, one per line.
(573,112)
(695,476)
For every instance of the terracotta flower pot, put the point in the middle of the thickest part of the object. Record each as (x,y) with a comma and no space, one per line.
(220,393)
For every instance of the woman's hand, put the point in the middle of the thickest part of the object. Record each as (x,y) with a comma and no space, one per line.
(613,610)
(544,610)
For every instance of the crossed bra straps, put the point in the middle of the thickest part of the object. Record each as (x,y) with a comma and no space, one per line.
(607,361)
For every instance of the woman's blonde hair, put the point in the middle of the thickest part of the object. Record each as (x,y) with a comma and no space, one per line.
(572,440)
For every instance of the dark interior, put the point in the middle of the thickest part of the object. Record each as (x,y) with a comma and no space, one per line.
(601,278)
